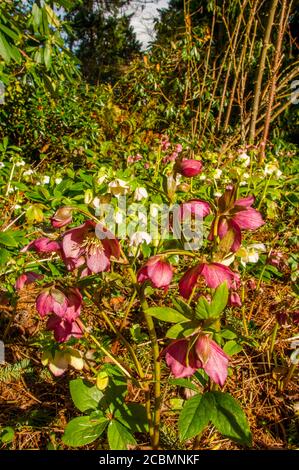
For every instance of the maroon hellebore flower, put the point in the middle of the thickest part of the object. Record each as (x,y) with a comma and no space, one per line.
(204,354)
(42,245)
(51,301)
(89,244)
(189,167)
(195,207)
(63,329)
(214,274)
(27,278)
(234,300)
(158,271)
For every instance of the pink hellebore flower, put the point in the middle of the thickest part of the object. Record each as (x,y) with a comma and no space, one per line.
(189,168)
(158,271)
(91,244)
(62,216)
(204,354)
(42,245)
(214,274)
(214,360)
(27,278)
(235,215)
(63,329)
(195,207)
(51,301)
(234,300)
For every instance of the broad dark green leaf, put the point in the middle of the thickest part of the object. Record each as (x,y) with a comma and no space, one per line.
(166,314)
(119,438)
(84,396)
(195,416)
(84,430)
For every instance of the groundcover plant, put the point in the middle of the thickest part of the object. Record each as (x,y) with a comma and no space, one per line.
(148,238)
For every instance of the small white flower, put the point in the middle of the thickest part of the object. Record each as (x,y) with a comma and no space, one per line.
(101,179)
(20,163)
(154,210)
(142,218)
(243,183)
(228,260)
(217,174)
(246,176)
(139,237)
(28,172)
(251,253)
(218,194)
(140,193)
(58,180)
(272,169)
(118,217)
(244,159)
(118,187)
(17,206)
(11,190)
(2,165)
(45,179)
(202,177)
(96,203)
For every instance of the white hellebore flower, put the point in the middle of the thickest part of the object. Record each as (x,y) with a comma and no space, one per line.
(118,187)
(58,180)
(244,159)
(251,253)
(46,179)
(140,193)
(139,237)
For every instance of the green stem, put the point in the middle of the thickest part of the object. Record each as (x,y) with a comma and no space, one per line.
(273,338)
(108,354)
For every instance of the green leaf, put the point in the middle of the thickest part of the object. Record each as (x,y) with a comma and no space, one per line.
(4,256)
(84,430)
(202,309)
(232,347)
(181,330)
(219,301)
(184,383)
(183,307)
(119,437)
(7,239)
(7,435)
(195,416)
(84,396)
(133,416)
(229,418)
(227,333)
(166,314)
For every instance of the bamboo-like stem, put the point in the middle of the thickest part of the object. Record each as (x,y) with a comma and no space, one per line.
(275,67)
(261,69)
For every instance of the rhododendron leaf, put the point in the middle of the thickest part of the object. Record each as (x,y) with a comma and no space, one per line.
(219,300)
(133,416)
(84,430)
(195,416)
(181,330)
(232,347)
(166,314)
(229,418)
(84,396)
(119,437)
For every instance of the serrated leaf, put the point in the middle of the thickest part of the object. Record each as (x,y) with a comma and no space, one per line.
(119,437)
(84,396)
(219,300)
(202,309)
(84,430)
(166,314)
(195,416)
(229,418)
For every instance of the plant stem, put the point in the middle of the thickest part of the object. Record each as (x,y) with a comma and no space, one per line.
(273,338)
